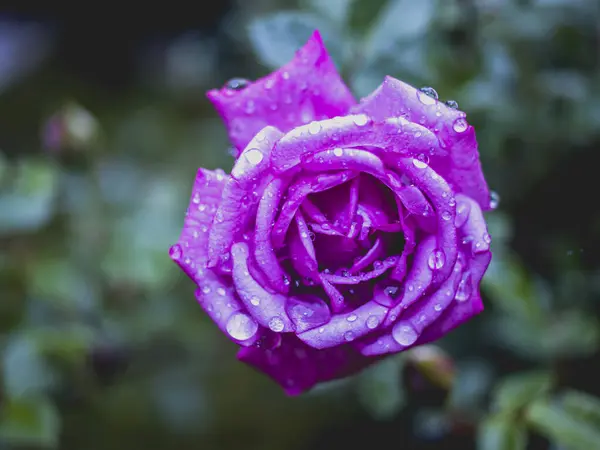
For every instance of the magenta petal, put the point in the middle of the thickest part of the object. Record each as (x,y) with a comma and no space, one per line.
(264,253)
(417,205)
(241,193)
(302,250)
(191,250)
(298,367)
(266,308)
(474,230)
(307,88)
(461,168)
(343,328)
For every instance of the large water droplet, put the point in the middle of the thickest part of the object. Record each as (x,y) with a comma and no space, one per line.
(314,127)
(392,291)
(372,322)
(452,104)
(307,312)
(464,289)
(460,125)
(237,84)
(276,324)
(175,252)
(427,95)
(404,333)
(241,326)
(494,200)
(446,215)
(436,259)
(253,156)
(361,120)
(351,317)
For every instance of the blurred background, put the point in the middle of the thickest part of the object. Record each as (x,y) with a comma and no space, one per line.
(103,124)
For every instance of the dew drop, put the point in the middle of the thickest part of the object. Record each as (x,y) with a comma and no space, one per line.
(307,312)
(452,104)
(436,259)
(361,120)
(372,322)
(237,84)
(206,290)
(391,291)
(494,200)
(255,300)
(404,334)
(241,326)
(351,317)
(460,125)
(222,292)
(349,336)
(423,158)
(276,324)
(446,215)
(464,289)
(175,252)
(437,307)
(487,238)
(314,127)
(419,164)
(338,151)
(427,95)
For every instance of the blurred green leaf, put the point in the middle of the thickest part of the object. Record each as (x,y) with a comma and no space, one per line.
(559,424)
(380,388)
(501,433)
(582,405)
(33,421)
(471,384)
(337,11)
(276,37)
(28,203)
(364,12)
(516,391)
(568,334)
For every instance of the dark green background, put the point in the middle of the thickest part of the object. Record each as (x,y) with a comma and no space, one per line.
(103,124)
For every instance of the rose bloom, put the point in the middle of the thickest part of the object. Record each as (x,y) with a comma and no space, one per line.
(345,232)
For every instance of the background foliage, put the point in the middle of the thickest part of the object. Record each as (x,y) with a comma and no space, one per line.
(102,127)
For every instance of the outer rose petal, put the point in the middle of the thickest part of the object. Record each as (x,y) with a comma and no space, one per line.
(462,168)
(307,88)
(191,250)
(297,367)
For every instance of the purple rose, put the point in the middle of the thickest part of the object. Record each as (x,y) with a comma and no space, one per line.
(345,232)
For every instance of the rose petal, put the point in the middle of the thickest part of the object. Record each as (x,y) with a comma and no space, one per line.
(266,308)
(395,134)
(298,367)
(461,167)
(191,250)
(264,253)
(302,250)
(474,230)
(307,88)
(241,193)
(344,328)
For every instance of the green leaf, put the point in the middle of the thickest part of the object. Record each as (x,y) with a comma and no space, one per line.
(516,391)
(582,405)
(27,205)
(34,422)
(337,11)
(380,388)
(276,37)
(559,424)
(363,13)
(501,433)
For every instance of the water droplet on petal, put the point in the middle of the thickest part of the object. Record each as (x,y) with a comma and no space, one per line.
(392,291)
(349,336)
(307,312)
(255,300)
(427,95)
(338,151)
(487,238)
(222,292)
(452,104)
(237,84)
(494,200)
(464,289)
(372,322)
(241,326)
(436,259)
(206,290)
(404,334)
(253,156)
(361,120)
(419,164)
(351,317)
(437,307)
(314,127)
(175,252)
(460,125)
(446,215)
(276,324)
